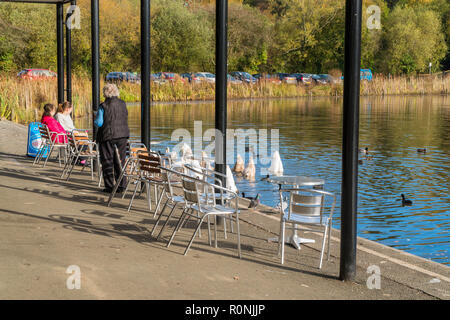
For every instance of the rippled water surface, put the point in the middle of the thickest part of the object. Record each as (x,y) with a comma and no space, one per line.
(310,137)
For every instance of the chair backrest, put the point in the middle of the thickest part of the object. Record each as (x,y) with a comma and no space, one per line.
(190,190)
(80,137)
(72,141)
(149,162)
(44,131)
(305,204)
(308,202)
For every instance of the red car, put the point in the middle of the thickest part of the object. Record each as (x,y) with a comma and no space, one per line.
(34,74)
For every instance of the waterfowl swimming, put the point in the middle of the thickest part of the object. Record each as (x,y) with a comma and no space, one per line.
(265,178)
(406,202)
(254,202)
(276,166)
(364,151)
(249,172)
(422,150)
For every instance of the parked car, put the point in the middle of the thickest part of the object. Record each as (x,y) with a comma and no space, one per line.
(187,76)
(245,77)
(233,80)
(35,74)
(123,76)
(114,76)
(169,77)
(272,78)
(133,77)
(323,79)
(287,78)
(365,74)
(304,78)
(204,76)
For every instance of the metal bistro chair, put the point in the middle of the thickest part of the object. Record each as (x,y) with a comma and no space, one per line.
(49,141)
(172,200)
(81,147)
(129,169)
(148,172)
(306,207)
(194,195)
(211,176)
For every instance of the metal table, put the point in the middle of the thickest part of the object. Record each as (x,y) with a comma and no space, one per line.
(295,182)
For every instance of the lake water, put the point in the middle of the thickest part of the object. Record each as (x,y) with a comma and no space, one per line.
(310,139)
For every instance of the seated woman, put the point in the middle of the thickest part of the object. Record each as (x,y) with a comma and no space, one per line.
(52,124)
(63,116)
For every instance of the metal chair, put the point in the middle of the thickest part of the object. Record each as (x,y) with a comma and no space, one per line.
(211,176)
(172,200)
(148,172)
(129,169)
(306,207)
(197,194)
(81,148)
(49,141)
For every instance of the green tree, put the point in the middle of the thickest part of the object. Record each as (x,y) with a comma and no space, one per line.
(306,35)
(181,39)
(412,39)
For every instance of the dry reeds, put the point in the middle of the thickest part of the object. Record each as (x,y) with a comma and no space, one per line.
(21,100)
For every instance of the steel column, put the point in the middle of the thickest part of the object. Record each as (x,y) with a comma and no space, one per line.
(95,52)
(69,58)
(352,65)
(145,72)
(221,90)
(60,50)
(221,85)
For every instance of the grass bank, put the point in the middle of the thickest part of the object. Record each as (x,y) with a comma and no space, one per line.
(22,100)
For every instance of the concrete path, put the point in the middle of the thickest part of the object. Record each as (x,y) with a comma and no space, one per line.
(48,225)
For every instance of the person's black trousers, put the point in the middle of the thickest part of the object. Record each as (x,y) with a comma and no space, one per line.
(111,166)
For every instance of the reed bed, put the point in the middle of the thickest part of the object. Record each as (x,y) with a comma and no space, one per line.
(22,100)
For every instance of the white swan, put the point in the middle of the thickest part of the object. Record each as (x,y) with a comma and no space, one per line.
(186,151)
(230,180)
(249,172)
(276,166)
(239,165)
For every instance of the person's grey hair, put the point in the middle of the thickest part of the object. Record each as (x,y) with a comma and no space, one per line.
(110,90)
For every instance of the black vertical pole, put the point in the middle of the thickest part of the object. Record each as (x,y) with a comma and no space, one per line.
(95,52)
(69,57)
(145,72)
(221,88)
(60,50)
(352,65)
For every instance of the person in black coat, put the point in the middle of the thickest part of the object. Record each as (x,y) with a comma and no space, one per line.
(113,131)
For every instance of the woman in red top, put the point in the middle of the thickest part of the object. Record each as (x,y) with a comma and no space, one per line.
(52,124)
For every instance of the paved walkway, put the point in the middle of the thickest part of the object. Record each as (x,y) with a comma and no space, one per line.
(47,225)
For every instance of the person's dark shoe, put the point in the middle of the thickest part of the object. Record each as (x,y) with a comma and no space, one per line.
(106,190)
(120,190)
